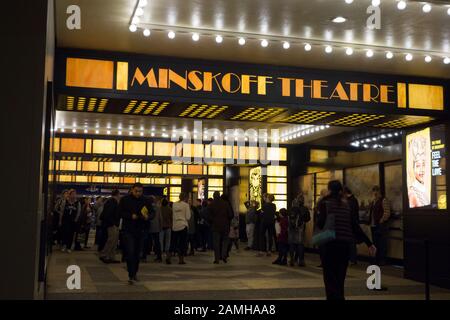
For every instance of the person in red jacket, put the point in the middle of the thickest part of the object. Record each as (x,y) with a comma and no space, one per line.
(282,238)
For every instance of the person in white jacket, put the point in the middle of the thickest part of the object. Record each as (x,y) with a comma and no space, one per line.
(181,216)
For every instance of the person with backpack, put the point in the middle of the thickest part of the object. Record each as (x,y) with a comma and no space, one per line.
(298,217)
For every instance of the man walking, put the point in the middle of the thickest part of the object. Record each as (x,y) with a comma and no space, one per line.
(135,212)
(379,213)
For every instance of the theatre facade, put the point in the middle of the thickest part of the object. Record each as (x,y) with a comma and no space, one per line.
(201,126)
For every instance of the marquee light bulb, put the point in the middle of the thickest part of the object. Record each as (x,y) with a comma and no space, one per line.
(446,60)
(349,51)
(369,53)
(448,11)
(401,5)
(426,8)
(133,28)
(171,35)
(286,45)
(219,39)
(409,57)
(142,3)
(195,36)
(428,59)
(135,20)
(264,43)
(147,32)
(139,12)
(328,49)
(241,41)
(376,3)
(348,1)
(308,47)
(389,55)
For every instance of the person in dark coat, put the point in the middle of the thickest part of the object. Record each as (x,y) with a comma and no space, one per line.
(282,238)
(135,211)
(110,222)
(354,209)
(335,253)
(220,215)
(267,225)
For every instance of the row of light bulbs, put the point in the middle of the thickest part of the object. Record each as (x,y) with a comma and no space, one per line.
(307,46)
(285,44)
(374,142)
(301,131)
(177,133)
(402,4)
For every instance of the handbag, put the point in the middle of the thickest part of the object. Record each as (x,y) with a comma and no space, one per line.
(328,232)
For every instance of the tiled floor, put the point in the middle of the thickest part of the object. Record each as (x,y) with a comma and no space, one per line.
(244,277)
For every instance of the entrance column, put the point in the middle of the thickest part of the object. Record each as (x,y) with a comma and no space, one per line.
(27,66)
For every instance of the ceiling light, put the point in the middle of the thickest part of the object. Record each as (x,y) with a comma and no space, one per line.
(108,132)
(142,3)
(428,59)
(241,41)
(446,60)
(219,39)
(409,57)
(401,5)
(133,28)
(426,8)
(349,51)
(286,45)
(131,133)
(348,1)
(376,3)
(264,43)
(339,19)
(85,131)
(142,134)
(96,131)
(369,53)
(139,12)
(389,55)
(147,32)
(135,20)
(74,130)
(152,134)
(328,49)
(195,36)
(171,35)
(120,133)
(308,47)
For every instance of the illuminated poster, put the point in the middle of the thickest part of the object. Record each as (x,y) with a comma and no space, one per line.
(425,168)
(255,185)
(201,189)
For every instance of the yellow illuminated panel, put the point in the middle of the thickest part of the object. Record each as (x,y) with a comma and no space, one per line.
(215,170)
(56,144)
(279,154)
(280,204)
(160,181)
(65,165)
(277,188)
(72,145)
(104,146)
(119,147)
(96,179)
(217,151)
(90,166)
(273,179)
(276,171)
(145,180)
(401,95)
(176,181)
(88,146)
(164,149)
(215,183)
(129,180)
(81,179)
(174,169)
(195,169)
(318,155)
(65,178)
(253,153)
(112,166)
(113,179)
(154,168)
(133,167)
(426,97)
(136,148)
(122,76)
(89,73)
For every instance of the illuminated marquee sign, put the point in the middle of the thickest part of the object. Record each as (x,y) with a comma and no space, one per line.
(246,83)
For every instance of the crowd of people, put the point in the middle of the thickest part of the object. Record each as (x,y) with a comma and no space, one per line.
(139,225)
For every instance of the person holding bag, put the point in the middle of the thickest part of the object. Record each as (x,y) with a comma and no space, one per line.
(338,228)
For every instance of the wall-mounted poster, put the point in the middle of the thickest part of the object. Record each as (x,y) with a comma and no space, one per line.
(425,168)
(201,189)
(255,184)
